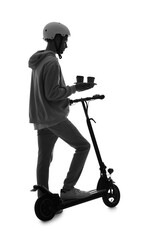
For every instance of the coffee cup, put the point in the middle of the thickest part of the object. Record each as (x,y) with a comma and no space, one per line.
(90,79)
(80,79)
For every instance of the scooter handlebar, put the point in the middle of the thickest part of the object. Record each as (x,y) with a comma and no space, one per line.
(97,96)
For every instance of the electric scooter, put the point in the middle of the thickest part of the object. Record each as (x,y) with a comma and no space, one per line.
(49,204)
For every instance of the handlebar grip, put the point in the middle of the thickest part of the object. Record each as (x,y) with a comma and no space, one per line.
(98,96)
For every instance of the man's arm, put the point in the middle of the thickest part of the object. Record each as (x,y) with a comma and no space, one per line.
(53,90)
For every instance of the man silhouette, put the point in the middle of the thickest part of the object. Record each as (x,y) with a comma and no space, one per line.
(49,108)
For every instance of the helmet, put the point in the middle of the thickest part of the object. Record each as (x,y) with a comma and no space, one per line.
(53,28)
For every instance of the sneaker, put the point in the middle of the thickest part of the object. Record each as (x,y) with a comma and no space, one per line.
(73,194)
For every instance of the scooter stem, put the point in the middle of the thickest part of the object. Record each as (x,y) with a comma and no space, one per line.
(101,164)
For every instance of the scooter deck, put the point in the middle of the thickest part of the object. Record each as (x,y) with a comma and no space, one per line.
(94,194)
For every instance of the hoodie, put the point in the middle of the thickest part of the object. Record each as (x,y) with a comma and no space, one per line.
(49,103)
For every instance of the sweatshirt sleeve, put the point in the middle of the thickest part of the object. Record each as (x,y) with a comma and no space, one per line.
(52,87)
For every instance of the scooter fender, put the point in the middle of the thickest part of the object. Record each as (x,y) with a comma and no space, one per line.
(53,197)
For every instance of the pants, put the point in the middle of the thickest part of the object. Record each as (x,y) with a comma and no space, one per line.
(46,140)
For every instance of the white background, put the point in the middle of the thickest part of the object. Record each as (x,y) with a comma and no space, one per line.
(108,41)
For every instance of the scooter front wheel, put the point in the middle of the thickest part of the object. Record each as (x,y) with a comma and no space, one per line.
(44,208)
(112,197)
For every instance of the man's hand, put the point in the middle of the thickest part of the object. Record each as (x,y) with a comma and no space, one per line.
(84,86)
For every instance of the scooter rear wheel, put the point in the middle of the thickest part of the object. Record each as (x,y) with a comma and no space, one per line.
(44,208)
(112,196)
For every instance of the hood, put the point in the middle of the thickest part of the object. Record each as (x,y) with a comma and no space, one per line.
(37,57)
